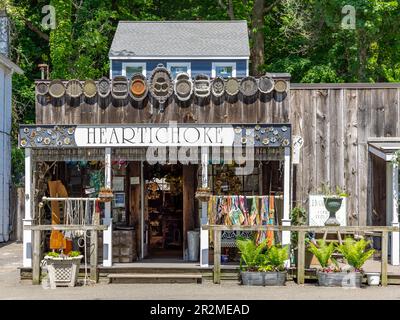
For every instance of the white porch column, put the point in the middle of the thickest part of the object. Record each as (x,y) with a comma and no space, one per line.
(204,220)
(28,219)
(395,245)
(286,197)
(107,235)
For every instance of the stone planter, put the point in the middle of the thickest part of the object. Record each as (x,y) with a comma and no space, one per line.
(250,278)
(63,271)
(332,205)
(340,279)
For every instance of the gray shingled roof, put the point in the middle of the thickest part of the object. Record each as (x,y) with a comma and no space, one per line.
(180,39)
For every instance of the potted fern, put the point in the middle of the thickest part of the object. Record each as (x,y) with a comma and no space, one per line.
(251,258)
(298,217)
(273,266)
(356,254)
(262,269)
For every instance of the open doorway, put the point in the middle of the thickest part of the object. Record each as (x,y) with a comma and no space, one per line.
(164,210)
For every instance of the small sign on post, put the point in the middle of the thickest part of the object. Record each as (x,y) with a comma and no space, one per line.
(317,213)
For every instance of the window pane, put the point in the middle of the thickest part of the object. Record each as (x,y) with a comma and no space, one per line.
(131,70)
(225,72)
(177,69)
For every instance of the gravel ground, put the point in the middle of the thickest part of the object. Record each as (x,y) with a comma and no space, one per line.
(12,288)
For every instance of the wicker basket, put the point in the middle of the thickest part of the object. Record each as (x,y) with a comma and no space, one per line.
(63,271)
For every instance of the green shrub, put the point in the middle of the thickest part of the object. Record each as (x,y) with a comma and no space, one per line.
(322,252)
(274,259)
(250,253)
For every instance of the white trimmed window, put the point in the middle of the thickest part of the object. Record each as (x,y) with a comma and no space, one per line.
(130,68)
(178,67)
(223,69)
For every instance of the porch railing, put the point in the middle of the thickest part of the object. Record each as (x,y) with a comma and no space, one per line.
(382,231)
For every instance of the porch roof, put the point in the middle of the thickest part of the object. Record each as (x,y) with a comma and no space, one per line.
(384,147)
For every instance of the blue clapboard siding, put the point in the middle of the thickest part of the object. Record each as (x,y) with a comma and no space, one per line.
(197,66)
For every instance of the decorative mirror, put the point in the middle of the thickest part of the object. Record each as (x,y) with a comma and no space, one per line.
(119,87)
(56,89)
(103,87)
(248,86)
(183,86)
(74,88)
(89,88)
(232,87)
(218,87)
(265,84)
(138,87)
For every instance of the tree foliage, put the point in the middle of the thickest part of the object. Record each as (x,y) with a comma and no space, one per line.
(303,37)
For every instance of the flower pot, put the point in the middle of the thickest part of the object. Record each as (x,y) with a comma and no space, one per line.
(340,279)
(224,258)
(373,278)
(63,271)
(252,278)
(307,258)
(332,205)
(275,278)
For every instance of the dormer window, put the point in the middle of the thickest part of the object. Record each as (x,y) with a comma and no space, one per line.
(223,69)
(130,68)
(178,67)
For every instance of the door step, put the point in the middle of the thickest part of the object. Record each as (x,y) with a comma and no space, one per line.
(154,278)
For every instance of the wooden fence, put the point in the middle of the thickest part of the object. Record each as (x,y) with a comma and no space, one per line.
(301,230)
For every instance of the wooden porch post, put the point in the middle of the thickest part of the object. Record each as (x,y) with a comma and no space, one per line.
(384,259)
(286,197)
(27,234)
(36,257)
(93,255)
(204,234)
(300,257)
(217,257)
(107,235)
(395,252)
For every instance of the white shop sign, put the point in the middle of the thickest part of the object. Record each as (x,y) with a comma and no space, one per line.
(317,214)
(154,136)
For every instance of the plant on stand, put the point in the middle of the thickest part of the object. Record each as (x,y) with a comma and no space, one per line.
(333,201)
(63,269)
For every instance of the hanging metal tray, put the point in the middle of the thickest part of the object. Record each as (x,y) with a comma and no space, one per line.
(103,87)
(202,86)
(56,89)
(161,86)
(248,86)
(74,88)
(183,86)
(265,84)
(89,88)
(138,88)
(232,87)
(218,87)
(280,86)
(42,88)
(119,87)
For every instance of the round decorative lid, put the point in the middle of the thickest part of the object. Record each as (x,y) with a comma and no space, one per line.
(232,86)
(183,86)
(56,88)
(248,86)
(103,87)
(265,84)
(218,87)
(89,88)
(119,87)
(42,88)
(161,86)
(202,86)
(280,86)
(74,88)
